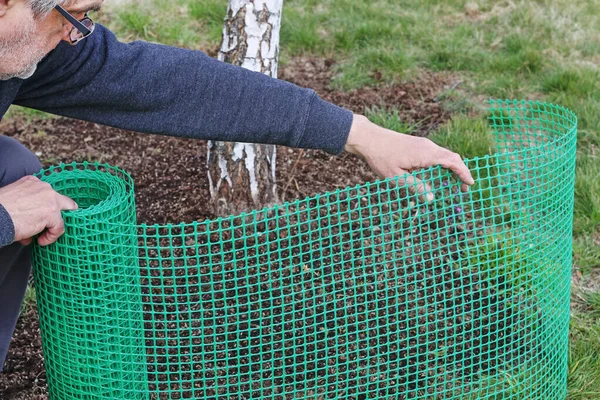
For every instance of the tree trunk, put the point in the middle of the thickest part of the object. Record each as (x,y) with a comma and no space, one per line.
(242,175)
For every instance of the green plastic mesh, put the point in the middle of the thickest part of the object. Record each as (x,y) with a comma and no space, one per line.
(362,293)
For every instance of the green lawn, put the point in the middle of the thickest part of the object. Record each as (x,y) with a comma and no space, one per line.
(537,49)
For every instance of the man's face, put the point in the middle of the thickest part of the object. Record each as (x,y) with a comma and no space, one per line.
(25,40)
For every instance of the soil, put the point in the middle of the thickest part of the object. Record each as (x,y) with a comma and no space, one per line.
(24,376)
(345,292)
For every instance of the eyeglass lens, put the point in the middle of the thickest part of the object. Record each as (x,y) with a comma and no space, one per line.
(76,35)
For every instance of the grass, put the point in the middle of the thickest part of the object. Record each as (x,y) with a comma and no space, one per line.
(471,136)
(587,254)
(29,301)
(191,24)
(587,194)
(25,114)
(389,119)
(545,49)
(584,352)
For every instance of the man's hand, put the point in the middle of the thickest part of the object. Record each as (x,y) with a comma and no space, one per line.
(392,154)
(35,207)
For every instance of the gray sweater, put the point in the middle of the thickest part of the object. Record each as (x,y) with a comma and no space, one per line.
(164,90)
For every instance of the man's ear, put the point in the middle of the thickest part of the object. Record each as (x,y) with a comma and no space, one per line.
(3,7)
(6,5)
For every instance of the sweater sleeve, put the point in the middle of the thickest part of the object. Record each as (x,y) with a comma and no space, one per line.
(165,90)
(7,229)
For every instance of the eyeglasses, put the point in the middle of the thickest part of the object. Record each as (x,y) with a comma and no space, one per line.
(81,28)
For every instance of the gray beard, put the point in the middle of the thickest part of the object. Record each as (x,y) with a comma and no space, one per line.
(25,74)
(10,47)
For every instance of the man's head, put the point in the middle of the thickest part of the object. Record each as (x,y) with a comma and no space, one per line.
(30,29)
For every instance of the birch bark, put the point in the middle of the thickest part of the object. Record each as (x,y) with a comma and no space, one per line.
(242,175)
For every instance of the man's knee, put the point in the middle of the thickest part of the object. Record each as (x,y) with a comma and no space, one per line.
(16,161)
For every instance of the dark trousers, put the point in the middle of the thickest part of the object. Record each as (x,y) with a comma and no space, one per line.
(16,161)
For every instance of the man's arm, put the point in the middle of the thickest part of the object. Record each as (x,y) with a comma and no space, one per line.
(158,89)
(165,90)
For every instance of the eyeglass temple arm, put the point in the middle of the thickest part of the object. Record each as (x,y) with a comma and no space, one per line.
(73,20)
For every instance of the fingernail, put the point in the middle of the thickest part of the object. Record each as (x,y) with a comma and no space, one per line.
(430,197)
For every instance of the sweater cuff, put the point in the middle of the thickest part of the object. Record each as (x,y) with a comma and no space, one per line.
(327,127)
(7,228)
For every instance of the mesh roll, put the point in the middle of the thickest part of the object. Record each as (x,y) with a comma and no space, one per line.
(360,293)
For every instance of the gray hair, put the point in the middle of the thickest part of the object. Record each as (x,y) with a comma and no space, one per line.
(42,8)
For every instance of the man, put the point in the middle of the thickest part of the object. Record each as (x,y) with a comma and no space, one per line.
(46,64)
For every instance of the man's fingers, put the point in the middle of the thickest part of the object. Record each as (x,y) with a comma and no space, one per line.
(66,203)
(54,229)
(415,185)
(454,162)
(56,226)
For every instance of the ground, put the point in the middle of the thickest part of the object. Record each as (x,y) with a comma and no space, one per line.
(423,67)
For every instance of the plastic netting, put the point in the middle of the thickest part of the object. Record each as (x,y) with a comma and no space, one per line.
(362,293)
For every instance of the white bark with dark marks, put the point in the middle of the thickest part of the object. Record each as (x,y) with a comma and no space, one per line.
(242,175)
